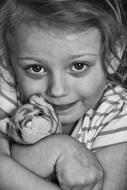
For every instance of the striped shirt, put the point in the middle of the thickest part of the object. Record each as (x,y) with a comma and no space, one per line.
(8,94)
(106,123)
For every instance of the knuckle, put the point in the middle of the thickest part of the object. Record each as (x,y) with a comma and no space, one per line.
(100,175)
(97,175)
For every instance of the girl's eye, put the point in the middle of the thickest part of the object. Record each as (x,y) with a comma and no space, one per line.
(79,67)
(35,69)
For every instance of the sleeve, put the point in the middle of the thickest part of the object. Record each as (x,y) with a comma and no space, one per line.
(8,102)
(114,131)
(8,95)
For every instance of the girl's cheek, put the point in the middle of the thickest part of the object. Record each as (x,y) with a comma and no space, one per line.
(30,89)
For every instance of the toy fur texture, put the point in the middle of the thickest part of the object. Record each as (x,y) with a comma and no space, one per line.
(32,122)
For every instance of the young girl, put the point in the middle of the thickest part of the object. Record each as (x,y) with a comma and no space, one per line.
(71,52)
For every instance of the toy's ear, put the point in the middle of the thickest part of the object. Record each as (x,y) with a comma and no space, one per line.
(114,62)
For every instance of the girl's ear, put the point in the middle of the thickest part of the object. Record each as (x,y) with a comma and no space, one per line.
(114,61)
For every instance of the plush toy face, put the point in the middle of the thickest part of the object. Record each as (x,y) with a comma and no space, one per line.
(33,121)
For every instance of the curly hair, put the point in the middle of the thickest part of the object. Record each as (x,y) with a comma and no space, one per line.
(74,15)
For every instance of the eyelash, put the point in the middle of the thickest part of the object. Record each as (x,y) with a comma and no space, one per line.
(75,68)
(30,69)
(82,67)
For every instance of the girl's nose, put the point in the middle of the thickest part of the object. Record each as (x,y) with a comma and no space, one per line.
(57,86)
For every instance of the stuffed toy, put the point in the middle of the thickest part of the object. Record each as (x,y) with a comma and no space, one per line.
(31,122)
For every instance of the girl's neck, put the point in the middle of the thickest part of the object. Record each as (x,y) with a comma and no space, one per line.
(68,128)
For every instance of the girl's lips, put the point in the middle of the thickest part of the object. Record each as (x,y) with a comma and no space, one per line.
(63,107)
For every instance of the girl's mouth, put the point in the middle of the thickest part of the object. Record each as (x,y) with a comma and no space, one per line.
(63,107)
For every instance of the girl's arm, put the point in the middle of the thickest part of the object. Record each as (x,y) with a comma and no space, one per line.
(14,176)
(114,162)
(75,166)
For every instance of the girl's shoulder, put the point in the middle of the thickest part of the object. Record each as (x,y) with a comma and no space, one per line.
(110,118)
(115,94)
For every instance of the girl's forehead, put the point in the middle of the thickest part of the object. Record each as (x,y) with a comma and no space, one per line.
(70,34)
(54,42)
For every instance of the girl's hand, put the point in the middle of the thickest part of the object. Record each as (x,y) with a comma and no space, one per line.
(77,168)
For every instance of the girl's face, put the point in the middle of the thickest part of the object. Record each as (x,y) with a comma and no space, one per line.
(65,68)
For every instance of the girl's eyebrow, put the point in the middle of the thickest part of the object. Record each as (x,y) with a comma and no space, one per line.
(84,54)
(71,57)
(33,59)
(28,58)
